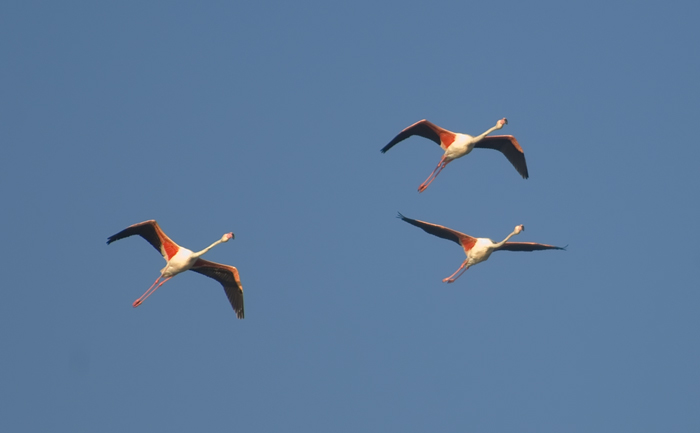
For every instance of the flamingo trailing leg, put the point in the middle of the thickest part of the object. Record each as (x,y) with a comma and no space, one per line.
(442,164)
(150,290)
(462,268)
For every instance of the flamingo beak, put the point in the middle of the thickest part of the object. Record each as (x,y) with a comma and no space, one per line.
(230,235)
(505,121)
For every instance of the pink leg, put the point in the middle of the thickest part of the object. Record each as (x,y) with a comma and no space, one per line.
(442,164)
(150,291)
(462,268)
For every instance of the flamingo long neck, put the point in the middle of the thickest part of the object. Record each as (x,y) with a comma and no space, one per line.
(204,251)
(500,244)
(481,137)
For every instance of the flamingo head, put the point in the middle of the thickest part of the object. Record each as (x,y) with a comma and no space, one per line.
(519,228)
(227,237)
(502,122)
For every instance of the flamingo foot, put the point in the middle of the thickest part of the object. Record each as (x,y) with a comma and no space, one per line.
(137,303)
(448,280)
(422,187)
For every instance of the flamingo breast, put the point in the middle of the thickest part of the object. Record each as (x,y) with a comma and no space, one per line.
(481,251)
(461,145)
(180,262)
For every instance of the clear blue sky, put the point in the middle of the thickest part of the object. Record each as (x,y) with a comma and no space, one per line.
(266,119)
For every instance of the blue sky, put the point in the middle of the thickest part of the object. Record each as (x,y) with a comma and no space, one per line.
(266,119)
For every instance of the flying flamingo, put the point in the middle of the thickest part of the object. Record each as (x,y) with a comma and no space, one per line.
(477,249)
(181,259)
(457,145)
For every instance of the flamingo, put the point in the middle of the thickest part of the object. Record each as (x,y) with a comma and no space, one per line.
(181,259)
(457,145)
(477,249)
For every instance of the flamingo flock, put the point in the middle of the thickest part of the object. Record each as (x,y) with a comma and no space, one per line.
(455,145)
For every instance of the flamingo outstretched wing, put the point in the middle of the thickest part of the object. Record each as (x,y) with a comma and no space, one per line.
(228,277)
(464,240)
(422,128)
(528,246)
(151,231)
(507,145)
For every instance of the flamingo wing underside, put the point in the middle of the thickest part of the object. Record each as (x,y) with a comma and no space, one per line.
(153,234)
(441,232)
(528,246)
(508,146)
(229,279)
(422,128)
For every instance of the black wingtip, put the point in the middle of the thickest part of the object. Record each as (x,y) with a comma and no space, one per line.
(400,216)
(525,174)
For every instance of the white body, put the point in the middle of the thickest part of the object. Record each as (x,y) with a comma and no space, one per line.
(182,261)
(463,144)
(481,251)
